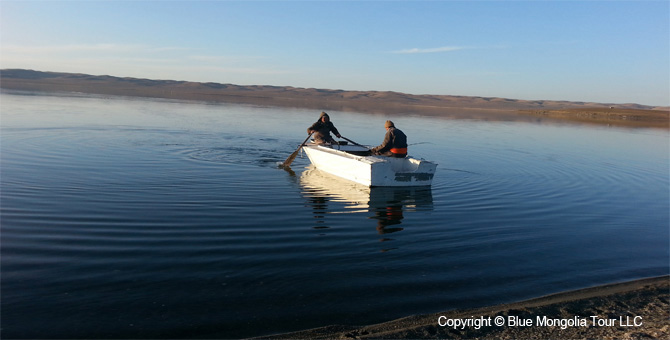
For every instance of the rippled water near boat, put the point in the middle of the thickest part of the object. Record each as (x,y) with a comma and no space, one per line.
(137,218)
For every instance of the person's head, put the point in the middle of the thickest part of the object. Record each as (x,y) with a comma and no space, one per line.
(388,124)
(324,117)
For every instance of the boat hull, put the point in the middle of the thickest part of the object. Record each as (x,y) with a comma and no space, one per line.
(373,171)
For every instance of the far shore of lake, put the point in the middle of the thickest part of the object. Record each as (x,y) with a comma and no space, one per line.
(375,102)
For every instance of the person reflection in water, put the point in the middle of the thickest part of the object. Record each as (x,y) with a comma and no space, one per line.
(320,208)
(322,129)
(387,217)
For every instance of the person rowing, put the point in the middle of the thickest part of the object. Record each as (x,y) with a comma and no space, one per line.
(321,130)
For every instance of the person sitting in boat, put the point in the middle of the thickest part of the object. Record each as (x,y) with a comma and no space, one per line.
(322,129)
(394,144)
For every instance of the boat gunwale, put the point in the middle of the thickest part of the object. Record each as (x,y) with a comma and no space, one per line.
(371,159)
(329,149)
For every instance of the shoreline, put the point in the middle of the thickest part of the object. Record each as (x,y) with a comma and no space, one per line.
(628,310)
(374,102)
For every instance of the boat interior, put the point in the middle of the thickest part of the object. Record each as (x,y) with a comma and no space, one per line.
(407,164)
(357,150)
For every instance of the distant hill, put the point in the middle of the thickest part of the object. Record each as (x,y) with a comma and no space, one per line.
(310,98)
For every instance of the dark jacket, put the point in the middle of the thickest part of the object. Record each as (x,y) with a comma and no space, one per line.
(394,139)
(323,131)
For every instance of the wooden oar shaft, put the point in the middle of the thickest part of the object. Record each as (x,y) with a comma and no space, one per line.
(290,158)
(351,141)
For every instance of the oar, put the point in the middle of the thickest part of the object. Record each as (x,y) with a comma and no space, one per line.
(354,143)
(290,158)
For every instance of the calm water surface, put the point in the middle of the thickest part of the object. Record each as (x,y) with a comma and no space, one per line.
(132,218)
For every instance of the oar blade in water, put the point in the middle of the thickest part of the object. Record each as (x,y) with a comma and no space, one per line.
(290,158)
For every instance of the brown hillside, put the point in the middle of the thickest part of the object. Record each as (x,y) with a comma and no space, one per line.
(487,108)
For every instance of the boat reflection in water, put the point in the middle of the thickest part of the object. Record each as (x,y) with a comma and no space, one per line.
(329,194)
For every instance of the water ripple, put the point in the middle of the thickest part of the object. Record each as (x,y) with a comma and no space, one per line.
(140,219)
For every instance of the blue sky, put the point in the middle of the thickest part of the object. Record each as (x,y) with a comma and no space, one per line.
(602,51)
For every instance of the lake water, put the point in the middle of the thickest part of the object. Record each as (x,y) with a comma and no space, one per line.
(137,218)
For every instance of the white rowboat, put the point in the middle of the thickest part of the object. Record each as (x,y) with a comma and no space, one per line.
(350,162)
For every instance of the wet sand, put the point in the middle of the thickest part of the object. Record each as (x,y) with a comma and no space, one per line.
(379,102)
(631,310)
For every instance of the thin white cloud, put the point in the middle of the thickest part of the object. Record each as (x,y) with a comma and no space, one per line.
(142,61)
(430,50)
(103,47)
(94,60)
(67,48)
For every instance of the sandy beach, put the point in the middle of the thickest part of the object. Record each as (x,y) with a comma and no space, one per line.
(631,310)
(378,102)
